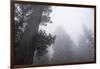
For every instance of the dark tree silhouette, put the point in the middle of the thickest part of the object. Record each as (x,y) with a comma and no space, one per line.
(24,13)
(28,17)
(42,40)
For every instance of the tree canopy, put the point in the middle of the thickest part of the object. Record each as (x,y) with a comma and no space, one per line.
(24,13)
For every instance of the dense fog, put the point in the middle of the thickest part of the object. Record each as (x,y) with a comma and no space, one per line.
(74,30)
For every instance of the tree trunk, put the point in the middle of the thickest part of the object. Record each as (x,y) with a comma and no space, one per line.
(26,50)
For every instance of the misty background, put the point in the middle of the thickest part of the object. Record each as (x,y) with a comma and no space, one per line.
(73,27)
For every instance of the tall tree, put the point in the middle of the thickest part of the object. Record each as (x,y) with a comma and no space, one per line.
(28,17)
(63,47)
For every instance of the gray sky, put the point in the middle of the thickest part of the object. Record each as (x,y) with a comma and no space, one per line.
(71,19)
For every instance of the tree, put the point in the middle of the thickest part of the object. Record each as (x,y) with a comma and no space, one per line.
(86,45)
(23,14)
(28,17)
(63,47)
(42,41)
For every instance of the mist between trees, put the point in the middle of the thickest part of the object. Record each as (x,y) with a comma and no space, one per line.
(35,46)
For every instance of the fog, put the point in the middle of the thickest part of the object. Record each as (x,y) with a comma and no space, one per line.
(72,19)
(74,28)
